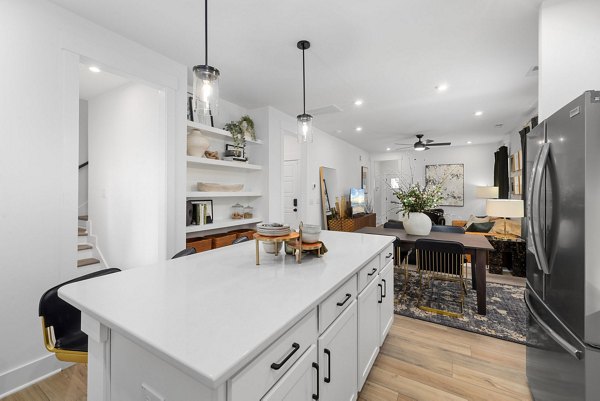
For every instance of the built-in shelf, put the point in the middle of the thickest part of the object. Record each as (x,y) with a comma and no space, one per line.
(216,132)
(221,224)
(193,161)
(203,194)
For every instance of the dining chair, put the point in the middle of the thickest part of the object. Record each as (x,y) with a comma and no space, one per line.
(448,229)
(402,257)
(441,260)
(185,252)
(61,323)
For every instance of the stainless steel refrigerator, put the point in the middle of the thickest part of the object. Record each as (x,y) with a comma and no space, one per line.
(563,253)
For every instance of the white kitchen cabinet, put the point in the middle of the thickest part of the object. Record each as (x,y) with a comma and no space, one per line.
(336,359)
(300,383)
(368,329)
(386,306)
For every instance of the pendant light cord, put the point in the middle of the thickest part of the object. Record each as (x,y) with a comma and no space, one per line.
(205,32)
(303,84)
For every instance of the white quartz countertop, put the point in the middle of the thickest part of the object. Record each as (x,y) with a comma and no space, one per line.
(211,313)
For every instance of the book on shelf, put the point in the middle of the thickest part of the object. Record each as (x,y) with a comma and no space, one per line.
(201,212)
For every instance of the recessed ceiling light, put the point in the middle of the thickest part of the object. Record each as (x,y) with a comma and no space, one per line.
(358,129)
(442,87)
(469,142)
(478,113)
(388,149)
(358,102)
(95,69)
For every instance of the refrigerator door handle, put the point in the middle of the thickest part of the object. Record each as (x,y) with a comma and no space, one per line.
(529,206)
(533,202)
(574,352)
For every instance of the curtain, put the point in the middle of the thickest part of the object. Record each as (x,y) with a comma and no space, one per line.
(501,172)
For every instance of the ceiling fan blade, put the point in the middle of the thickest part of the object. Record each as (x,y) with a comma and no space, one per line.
(440,144)
(428,141)
(403,144)
(404,148)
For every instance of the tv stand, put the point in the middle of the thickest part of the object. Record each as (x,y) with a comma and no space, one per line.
(353,223)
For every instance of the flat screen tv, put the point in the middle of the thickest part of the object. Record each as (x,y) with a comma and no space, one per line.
(358,201)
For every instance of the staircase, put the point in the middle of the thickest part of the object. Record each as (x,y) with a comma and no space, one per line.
(89,257)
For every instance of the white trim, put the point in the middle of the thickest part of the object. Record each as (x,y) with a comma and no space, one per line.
(30,373)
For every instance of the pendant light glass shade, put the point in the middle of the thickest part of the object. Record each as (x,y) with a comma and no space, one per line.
(206,90)
(305,133)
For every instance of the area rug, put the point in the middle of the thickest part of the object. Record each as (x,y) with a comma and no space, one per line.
(506,314)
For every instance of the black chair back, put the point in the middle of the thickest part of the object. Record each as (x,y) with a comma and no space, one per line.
(62,316)
(185,252)
(440,256)
(240,240)
(397,224)
(448,229)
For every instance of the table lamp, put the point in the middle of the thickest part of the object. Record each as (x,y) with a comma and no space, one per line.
(504,208)
(486,192)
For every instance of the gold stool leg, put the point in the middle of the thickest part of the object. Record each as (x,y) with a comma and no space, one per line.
(257,252)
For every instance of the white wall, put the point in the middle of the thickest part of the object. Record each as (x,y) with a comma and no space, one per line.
(569,52)
(83,157)
(39,158)
(326,150)
(478,163)
(127,171)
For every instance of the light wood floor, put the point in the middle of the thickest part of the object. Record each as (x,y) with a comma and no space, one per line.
(418,361)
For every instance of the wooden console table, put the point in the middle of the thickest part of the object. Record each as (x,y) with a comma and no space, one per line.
(354,223)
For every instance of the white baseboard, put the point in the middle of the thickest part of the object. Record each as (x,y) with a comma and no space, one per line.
(23,376)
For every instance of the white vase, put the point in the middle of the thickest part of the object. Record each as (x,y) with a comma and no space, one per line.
(417,224)
(197,143)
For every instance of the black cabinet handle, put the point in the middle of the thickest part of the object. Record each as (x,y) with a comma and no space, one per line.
(348,296)
(389,255)
(380,293)
(384,294)
(316,366)
(277,366)
(328,378)
(372,272)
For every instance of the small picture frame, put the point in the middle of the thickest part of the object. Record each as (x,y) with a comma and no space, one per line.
(190,106)
(235,151)
(364,178)
(202,211)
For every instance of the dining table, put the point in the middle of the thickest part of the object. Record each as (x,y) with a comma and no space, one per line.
(476,245)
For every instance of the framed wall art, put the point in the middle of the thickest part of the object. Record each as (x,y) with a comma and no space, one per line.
(452,179)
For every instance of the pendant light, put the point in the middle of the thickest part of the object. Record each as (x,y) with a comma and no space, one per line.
(305,133)
(206,80)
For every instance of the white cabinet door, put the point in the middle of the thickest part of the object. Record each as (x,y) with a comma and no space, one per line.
(386,307)
(300,383)
(337,357)
(368,329)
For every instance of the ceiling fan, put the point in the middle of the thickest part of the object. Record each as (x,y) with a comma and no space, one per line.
(421,144)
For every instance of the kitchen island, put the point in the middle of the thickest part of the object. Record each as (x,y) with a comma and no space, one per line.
(214,326)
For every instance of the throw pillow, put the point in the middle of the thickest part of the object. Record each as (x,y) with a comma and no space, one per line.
(477,219)
(480,227)
(512,227)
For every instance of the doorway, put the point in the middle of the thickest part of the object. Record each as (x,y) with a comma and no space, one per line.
(291,181)
(122,179)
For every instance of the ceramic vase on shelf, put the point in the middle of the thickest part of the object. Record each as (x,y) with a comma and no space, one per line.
(197,143)
(417,223)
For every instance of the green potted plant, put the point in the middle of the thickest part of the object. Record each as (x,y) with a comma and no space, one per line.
(247,126)
(239,139)
(414,199)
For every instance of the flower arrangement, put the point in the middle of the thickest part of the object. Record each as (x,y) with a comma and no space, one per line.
(414,198)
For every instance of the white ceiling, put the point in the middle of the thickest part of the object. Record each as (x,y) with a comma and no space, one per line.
(92,84)
(390,53)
